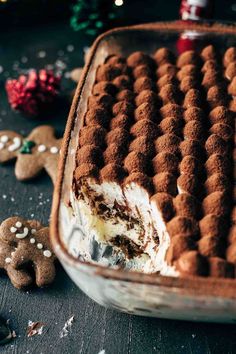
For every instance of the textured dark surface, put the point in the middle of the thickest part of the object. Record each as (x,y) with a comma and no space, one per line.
(94,328)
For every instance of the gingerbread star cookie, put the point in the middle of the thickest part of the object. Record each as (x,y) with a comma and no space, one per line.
(25,252)
(38,151)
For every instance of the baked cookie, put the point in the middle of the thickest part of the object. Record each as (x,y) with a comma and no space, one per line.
(38,151)
(25,252)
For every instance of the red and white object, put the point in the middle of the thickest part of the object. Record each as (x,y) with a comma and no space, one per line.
(193,10)
(196,9)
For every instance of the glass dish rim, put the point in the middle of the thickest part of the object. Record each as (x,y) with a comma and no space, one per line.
(199,286)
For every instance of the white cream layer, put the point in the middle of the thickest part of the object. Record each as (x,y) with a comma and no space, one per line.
(137,202)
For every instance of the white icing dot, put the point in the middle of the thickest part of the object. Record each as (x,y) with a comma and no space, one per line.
(8,260)
(32,240)
(42,54)
(54,150)
(24,59)
(23,234)
(39,246)
(70,48)
(47,253)
(41,148)
(13,229)
(12,253)
(33,231)
(16,144)
(1,145)
(67,75)
(18,224)
(4,139)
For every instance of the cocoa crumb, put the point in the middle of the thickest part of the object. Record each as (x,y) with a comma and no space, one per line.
(171,125)
(164,203)
(192,98)
(122,121)
(216,203)
(143,83)
(104,87)
(187,70)
(209,53)
(216,145)
(93,134)
(164,55)
(194,113)
(142,70)
(146,96)
(179,245)
(188,57)
(216,96)
(125,95)
(182,225)
(194,130)
(142,144)
(135,162)
(89,154)
(168,143)
(165,69)
(165,182)
(192,263)
(229,56)
(221,114)
(141,179)
(112,172)
(123,107)
(188,83)
(232,87)
(146,111)
(114,153)
(166,79)
(186,205)
(118,136)
(230,71)
(145,127)
(188,184)
(171,110)
(210,65)
(139,58)
(170,94)
(165,162)
(122,82)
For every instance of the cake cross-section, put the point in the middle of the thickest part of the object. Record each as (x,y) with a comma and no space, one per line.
(154,176)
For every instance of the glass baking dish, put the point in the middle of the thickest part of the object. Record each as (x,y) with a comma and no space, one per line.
(193,298)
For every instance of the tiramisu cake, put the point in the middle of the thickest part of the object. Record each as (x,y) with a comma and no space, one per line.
(154,176)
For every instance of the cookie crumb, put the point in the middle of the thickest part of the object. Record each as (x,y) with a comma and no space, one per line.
(34,328)
(67,326)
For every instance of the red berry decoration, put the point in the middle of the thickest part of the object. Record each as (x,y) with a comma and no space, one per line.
(33,93)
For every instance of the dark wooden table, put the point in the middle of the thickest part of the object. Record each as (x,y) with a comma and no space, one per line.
(94,328)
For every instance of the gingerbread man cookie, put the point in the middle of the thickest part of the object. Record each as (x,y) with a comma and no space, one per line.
(38,151)
(25,252)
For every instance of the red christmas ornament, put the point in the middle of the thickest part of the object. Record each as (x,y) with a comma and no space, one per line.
(33,93)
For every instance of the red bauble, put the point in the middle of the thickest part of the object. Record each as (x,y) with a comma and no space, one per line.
(33,93)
